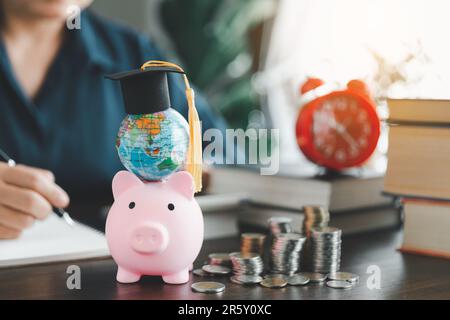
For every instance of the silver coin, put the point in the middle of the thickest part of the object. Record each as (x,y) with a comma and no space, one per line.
(280,220)
(274,283)
(216,269)
(326,270)
(343,276)
(321,263)
(326,249)
(297,280)
(327,230)
(314,276)
(234,279)
(274,275)
(221,256)
(279,225)
(241,255)
(202,273)
(208,287)
(285,252)
(336,284)
(292,236)
(248,279)
(219,259)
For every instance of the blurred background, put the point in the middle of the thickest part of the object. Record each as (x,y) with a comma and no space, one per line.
(250,56)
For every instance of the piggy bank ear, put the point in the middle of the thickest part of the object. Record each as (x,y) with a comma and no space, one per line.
(124,180)
(183,183)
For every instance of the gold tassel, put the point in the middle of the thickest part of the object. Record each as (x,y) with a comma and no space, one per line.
(194,161)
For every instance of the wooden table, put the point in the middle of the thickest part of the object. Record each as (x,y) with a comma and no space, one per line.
(402,277)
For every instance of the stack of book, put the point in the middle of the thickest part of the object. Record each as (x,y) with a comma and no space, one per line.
(419,172)
(354,198)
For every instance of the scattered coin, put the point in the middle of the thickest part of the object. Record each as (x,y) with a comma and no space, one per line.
(297,280)
(337,284)
(202,273)
(314,277)
(344,276)
(208,287)
(274,283)
(216,269)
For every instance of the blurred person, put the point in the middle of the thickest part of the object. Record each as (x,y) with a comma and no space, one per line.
(59,116)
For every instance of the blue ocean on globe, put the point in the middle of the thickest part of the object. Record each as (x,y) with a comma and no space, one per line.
(153,146)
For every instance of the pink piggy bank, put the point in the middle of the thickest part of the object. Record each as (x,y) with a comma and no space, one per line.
(154,228)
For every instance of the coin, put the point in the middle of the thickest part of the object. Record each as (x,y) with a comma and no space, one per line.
(285,252)
(280,225)
(234,279)
(337,284)
(202,273)
(297,280)
(344,276)
(248,279)
(325,246)
(208,287)
(244,255)
(315,217)
(274,283)
(275,275)
(252,243)
(314,276)
(246,263)
(216,269)
(219,259)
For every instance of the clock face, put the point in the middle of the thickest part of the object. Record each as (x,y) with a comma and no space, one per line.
(339,130)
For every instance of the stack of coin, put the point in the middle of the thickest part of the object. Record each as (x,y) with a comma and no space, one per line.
(247,268)
(285,253)
(315,217)
(280,225)
(326,249)
(252,243)
(219,259)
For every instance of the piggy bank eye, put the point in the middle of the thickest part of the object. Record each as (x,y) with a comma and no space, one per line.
(171,206)
(131,205)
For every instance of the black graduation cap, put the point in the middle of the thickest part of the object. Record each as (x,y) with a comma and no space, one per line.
(146,90)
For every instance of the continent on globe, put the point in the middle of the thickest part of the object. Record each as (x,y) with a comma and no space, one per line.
(153,146)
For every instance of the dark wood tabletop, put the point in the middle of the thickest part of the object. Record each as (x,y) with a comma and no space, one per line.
(402,277)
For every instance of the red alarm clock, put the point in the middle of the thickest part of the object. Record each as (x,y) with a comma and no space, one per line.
(338,130)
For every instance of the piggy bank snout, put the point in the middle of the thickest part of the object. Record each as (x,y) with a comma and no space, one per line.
(149,238)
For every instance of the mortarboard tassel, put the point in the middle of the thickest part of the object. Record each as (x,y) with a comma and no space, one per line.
(194,159)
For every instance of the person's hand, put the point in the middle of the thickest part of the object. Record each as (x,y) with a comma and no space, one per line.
(26,194)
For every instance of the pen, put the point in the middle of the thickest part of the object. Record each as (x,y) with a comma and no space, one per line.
(58,211)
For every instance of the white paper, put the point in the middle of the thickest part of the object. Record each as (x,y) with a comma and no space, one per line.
(53,240)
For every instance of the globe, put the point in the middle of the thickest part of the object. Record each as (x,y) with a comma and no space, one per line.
(153,146)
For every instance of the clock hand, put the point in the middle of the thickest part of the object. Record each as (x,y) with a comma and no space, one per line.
(347,136)
(332,123)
